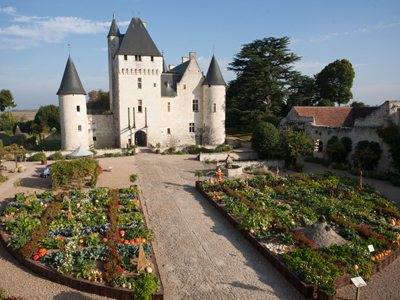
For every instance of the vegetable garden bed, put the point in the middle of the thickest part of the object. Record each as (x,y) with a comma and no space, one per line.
(269,211)
(94,242)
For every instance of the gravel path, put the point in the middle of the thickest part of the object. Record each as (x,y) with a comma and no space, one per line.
(200,255)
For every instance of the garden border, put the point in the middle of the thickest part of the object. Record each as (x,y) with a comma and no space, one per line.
(307,290)
(80,284)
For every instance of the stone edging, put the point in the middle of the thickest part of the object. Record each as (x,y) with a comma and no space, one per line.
(307,290)
(83,285)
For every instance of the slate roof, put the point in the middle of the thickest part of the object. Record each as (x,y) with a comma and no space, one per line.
(180,69)
(334,116)
(137,41)
(214,75)
(165,68)
(70,83)
(114,31)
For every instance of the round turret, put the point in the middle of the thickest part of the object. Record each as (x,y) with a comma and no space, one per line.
(214,105)
(72,103)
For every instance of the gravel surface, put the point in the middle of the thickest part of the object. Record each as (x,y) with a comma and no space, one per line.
(200,255)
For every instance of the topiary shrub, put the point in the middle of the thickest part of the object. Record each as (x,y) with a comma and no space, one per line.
(368,154)
(56,156)
(265,137)
(39,157)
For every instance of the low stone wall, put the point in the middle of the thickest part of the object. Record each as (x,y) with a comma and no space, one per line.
(257,163)
(221,156)
(99,152)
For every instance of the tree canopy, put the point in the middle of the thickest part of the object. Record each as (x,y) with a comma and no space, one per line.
(48,116)
(335,81)
(6,100)
(98,100)
(264,74)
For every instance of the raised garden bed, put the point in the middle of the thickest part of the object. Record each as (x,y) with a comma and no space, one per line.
(91,242)
(268,212)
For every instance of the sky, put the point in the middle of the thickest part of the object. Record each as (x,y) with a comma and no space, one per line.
(34,38)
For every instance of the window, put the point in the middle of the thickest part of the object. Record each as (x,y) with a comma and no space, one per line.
(79,127)
(138,58)
(152,58)
(155,84)
(191,127)
(168,130)
(139,83)
(184,86)
(94,138)
(168,106)
(139,109)
(215,107)
(196,105)
(78,108)
(125,57)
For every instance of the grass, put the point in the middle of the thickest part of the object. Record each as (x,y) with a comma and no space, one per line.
(243,133)
(48,146)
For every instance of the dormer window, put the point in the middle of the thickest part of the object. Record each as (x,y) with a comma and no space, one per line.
(138,58)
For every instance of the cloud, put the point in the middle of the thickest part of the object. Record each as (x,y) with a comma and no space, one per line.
(8,10)
(358,65)
(309,67)
(322,38)
(381,25)
(31,31)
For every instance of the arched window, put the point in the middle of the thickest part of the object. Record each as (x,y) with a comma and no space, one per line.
(320,146)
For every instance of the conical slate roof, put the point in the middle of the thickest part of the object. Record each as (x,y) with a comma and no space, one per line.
(165,68)
(70,83)
(114,31)
(137,41)
(214,75)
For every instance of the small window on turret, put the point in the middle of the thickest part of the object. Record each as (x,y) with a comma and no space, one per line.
(215,107)
(79,127)
(168,130)
(125,57)
(78,108)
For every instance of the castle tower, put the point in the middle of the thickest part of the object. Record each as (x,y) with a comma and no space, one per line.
(72,102)
(214,105)
(113,45)
(136,69)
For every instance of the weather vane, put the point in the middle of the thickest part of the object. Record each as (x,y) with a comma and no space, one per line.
(69,49)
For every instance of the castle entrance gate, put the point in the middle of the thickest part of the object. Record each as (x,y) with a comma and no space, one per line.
(140,138)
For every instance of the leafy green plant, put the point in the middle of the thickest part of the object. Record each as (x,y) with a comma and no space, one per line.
(145,286)
(92,240)
(133,177)
(199,174)
(39,157)
(84,268)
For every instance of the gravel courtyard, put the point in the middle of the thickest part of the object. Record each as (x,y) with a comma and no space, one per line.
(200,255)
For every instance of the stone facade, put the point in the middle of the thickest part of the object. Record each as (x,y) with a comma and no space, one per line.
(361,126)
(150,104)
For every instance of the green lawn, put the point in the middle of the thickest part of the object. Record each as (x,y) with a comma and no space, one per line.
(239,132)
(48,146)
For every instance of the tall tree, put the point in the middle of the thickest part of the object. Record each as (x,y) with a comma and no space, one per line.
(264,73)
(335,81)
(302,91)
(6,100)
(48,116)
(98,100)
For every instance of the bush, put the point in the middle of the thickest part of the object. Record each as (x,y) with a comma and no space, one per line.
(223,148)
(315,160)
(3,178)
(193,147)
(172,150)
(368,154)
(265,137)
(133,177)
(15,139)
(56,156)
(39,157)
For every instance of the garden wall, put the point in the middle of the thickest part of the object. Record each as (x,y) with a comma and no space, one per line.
(221,156)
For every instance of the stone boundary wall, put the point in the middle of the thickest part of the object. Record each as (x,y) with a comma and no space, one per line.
(99,152)
(221,156)
(280,163)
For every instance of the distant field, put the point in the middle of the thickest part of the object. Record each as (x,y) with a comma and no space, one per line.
(30,114)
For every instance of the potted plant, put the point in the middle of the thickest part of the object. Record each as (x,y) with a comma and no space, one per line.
(133,147)
(299,167)
(158,151)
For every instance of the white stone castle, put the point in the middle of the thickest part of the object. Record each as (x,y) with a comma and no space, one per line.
(149,103)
